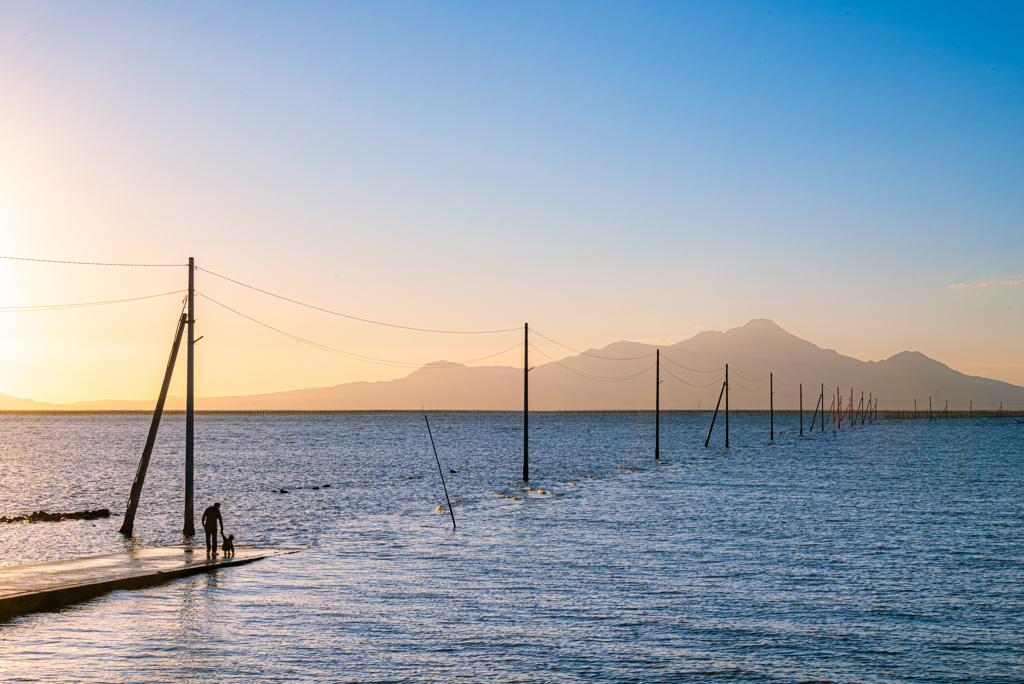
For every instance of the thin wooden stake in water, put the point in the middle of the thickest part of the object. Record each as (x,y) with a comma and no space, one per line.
(439,472)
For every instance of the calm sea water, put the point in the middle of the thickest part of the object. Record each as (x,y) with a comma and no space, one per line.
(890,553)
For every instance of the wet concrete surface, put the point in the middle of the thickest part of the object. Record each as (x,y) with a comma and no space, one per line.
(55,584)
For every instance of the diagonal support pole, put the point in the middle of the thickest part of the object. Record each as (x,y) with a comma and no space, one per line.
(140,474)
(708,440)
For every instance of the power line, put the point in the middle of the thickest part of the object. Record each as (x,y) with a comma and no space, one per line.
(758,389)
(93,263)
(713,382)
(693,370)
(82,305)
(351,355)
(355,318)
(749,379)
(588,375)
(595,356)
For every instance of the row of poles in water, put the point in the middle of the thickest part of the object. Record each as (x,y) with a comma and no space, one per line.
(836,412)
(186,322)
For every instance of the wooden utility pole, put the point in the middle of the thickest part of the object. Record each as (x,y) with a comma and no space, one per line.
(771,404)
(726,406)
(526,403)
(190,402)
(657,406)
(147,451)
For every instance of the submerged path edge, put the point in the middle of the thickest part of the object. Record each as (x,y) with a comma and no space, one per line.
(53,599)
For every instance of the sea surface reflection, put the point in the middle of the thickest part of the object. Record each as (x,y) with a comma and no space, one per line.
(888,553)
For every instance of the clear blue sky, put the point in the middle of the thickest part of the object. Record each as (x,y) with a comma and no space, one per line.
(605,171)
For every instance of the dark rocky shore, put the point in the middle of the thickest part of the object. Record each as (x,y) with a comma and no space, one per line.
(43,516)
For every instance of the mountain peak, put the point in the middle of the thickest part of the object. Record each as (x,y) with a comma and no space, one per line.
(761,326)
(762,322)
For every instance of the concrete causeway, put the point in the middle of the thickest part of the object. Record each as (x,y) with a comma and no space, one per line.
(55,584)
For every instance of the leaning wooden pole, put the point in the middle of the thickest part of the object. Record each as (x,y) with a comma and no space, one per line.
(815,416)
(526,403)
(439,472)
(190,402)
(657,406)
(147,451)
(715,415)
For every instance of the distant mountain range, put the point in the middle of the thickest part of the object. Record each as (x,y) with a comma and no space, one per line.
(621,376)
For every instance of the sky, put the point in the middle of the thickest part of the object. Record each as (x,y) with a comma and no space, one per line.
(604,171)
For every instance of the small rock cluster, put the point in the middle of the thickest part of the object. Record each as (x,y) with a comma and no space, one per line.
(43,516)
(288,491)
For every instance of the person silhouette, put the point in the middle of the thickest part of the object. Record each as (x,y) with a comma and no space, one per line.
(211,516)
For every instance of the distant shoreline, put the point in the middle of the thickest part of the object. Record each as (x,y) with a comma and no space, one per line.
(888,414)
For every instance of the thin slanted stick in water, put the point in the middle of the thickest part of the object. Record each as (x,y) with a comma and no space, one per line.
(439,471)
